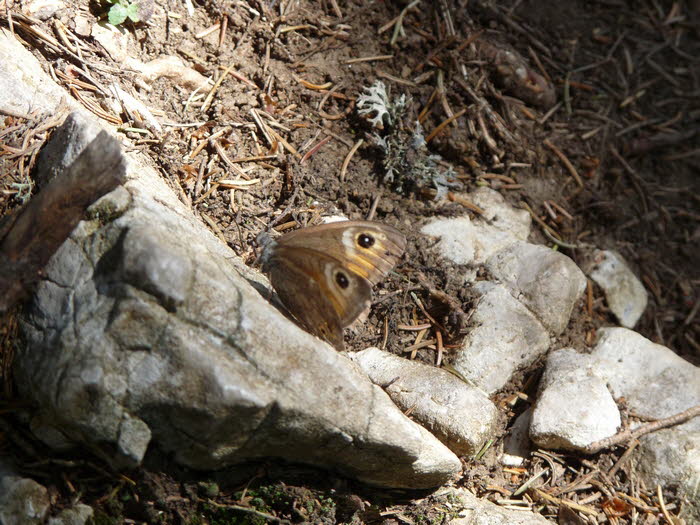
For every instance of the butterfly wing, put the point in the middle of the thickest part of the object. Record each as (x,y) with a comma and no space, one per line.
(368,249)
(317,290)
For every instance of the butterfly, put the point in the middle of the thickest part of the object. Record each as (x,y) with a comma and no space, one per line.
(324,274)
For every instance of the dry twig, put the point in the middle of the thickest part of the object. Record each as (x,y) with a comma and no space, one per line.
(628,435)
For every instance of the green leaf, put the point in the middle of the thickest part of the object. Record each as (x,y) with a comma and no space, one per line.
(133,12)
(117,14)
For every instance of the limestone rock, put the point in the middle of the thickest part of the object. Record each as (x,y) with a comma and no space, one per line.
(505,337)
(501,215)
(22,500)
(42,9)
(147,332)
(574,407)
(547,282)
(457,238)
(671,457)
(654,381)
(465,241)
(77,515)
(146,328)
(517,445)
(26,89)
(114,40)
(624,292)
(459,415)
(474,511)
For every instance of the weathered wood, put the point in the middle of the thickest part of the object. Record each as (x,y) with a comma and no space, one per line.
(31,236)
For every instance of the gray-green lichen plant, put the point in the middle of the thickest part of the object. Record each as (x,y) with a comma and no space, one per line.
(407,164)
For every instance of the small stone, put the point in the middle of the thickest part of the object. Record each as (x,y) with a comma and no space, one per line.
(625,294)
(560,419)
(22,500)
(505,337)
(547,282)
(82,25)
(42,9)
(517,445)
(79,514)
(471,510)
(114,40)
(458,414)
(133,440)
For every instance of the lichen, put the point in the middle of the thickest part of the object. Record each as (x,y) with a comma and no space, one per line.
(408,165)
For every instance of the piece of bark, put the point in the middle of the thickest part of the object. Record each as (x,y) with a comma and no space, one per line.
(30,237)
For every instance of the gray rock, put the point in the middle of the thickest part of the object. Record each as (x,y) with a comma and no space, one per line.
(26,89)
(559,419)
(147,328)
(42,9)
(671,458)
(501,215)
(152,334)
(465,241)
(67,142)
(459,415)
(114,40)
(505,337)
(79,514)
(470,510)
(517,445)
(655,383)
(547,282)
(22,500)
(625,294)
(82,25)
(457,238)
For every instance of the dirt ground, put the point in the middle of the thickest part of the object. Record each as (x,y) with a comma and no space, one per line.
(599,140)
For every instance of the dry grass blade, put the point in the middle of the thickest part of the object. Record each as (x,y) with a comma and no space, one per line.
(348,158)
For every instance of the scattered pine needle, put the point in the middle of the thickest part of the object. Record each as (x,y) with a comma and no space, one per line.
(348,157)
(444,124)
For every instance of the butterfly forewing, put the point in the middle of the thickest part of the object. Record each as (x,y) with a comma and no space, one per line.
(367,248)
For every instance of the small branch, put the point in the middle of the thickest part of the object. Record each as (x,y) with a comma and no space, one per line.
(627,435)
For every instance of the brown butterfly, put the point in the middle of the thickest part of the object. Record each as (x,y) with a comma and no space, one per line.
(324,274)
